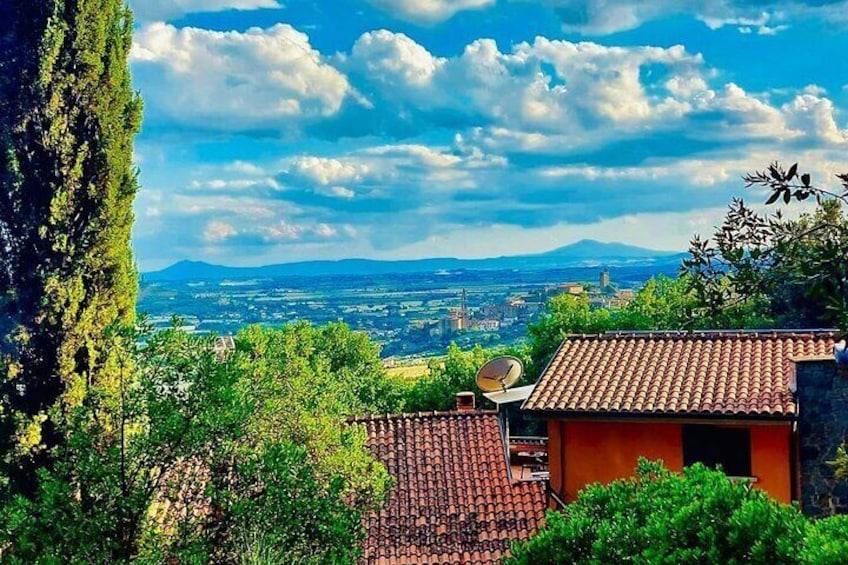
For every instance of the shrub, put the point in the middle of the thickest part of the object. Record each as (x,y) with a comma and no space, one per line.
(663,518)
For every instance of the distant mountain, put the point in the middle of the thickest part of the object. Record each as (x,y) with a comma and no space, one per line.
(586,252)
(594,250)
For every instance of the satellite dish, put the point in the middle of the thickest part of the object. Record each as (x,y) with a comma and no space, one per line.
(499,374)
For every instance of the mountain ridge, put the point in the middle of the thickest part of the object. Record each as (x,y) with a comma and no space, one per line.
(585,252)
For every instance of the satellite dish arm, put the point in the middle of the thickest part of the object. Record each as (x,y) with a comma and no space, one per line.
(506,377)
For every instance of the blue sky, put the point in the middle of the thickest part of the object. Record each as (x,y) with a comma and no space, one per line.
(290,130)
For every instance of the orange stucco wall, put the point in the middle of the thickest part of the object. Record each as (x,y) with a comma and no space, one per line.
(771,461)
(584,452)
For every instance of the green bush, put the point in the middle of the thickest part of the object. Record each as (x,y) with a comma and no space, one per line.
(827,542)
(699,517)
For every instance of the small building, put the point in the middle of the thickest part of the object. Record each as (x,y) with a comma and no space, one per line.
(747,401)
(487,325)
(454,500)
(571,288)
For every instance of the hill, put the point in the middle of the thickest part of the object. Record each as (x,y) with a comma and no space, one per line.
(582,253)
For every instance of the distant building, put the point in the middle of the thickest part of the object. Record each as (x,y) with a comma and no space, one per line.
(604,281)
(456,322)
(488,325)
(463,311)
(571,288)
(626,294)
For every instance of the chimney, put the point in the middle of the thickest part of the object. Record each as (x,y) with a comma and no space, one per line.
(465,401)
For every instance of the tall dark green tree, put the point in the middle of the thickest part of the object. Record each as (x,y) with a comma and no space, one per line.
(68,116)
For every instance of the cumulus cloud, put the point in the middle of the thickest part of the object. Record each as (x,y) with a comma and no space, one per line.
(393,60)
(541,86)
(428,11)
(813,114)
(535,96)
(324,171)
(562,96)
(258,79)
(156,10)
(401,175)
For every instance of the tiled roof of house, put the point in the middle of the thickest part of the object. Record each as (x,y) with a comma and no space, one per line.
(742,374)
(453,500)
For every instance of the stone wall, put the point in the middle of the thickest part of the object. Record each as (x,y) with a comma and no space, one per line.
(822,395)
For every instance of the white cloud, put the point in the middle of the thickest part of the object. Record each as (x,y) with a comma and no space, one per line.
(389,171)
(393,59)
(536,96)
(258,79)
(326,171)
(217,231)
(280,231)
(246,168)
(152,10)
(813,114)
(428,11)
(336,191)
(767,17)
(325,230)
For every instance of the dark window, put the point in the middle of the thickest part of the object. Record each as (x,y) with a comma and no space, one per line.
(715,446)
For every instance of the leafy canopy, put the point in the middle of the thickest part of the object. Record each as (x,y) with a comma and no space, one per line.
(797,267)
(195,458)
(700,518)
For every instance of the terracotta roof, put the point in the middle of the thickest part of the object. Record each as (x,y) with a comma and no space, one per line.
(709,373)
(453,500)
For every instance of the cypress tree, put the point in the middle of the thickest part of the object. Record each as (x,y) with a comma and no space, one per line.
(68,116)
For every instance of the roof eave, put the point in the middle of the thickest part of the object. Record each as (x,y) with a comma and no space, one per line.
(666,417)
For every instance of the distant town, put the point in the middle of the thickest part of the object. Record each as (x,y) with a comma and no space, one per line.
(410,315)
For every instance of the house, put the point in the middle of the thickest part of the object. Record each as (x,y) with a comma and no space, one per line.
(769,407)
(453,500)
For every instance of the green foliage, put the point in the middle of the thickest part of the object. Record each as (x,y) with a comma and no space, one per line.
(797,268)
(662,303)
(827,542)
(171,401)
(807,279)
(67,183)
(840,462)
(283,519)
(565,315)
(671,304)
(306,382)
(191,458)
(699,517)
(449,375)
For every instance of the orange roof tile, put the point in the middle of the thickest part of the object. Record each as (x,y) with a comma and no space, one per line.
(453,500)
(676,373)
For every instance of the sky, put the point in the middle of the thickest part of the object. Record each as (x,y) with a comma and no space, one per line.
(290,130)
